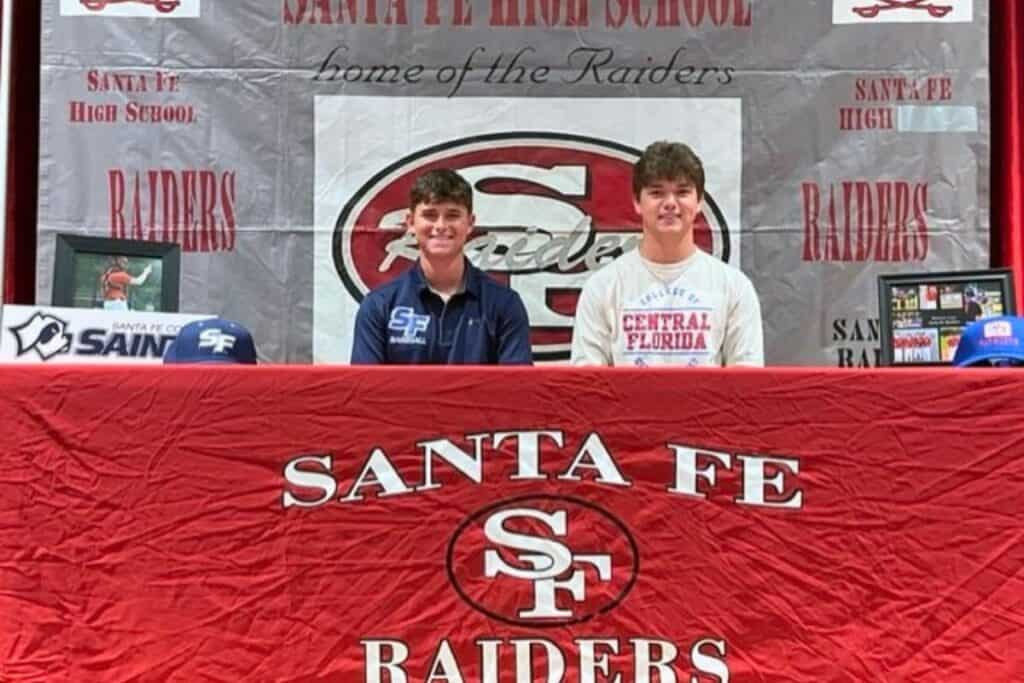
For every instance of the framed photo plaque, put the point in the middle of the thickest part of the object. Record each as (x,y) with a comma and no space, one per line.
(922,315)
(113,274)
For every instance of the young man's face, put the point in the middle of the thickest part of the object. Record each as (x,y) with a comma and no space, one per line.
(668,206)
(441,228)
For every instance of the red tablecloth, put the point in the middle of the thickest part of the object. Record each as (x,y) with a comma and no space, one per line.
(375,524)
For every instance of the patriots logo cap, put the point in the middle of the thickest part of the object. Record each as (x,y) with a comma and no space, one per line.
(991,341)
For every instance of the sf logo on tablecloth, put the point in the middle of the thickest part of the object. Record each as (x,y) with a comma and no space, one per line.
(542,561)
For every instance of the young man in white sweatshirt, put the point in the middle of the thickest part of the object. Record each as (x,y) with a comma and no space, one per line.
(668,302)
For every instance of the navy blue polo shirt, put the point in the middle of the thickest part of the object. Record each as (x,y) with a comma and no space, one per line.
(403,322)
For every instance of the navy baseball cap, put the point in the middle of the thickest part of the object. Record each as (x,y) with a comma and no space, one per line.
(991,341)
(214,340)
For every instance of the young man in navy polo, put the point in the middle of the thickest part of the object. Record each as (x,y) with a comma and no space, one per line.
(444,310)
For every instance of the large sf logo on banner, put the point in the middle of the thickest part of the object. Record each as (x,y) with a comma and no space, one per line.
(550,209)
(177,9)
(542,561)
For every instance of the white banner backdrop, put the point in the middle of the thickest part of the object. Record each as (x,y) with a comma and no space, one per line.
(552,193)
(273,140)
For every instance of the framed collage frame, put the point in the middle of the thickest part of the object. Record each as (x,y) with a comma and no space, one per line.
(922,315)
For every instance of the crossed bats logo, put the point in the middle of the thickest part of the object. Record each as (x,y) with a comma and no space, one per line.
(934,9)
(43,333)
(162,6)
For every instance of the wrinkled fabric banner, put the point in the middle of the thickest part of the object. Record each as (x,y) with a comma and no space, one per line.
(509,525)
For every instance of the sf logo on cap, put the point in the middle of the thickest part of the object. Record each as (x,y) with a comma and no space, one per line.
(217,340)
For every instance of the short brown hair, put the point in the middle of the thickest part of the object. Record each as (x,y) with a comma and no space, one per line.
(668,161)
(441,185)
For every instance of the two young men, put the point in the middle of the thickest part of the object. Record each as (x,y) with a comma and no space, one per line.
(667,303)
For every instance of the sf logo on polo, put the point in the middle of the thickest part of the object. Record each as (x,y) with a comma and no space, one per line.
(217,340)
(412,327)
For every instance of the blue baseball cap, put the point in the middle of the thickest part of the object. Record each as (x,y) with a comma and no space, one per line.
(991,341)
(213,340)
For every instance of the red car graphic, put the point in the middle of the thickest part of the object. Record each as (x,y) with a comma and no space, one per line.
(163,6)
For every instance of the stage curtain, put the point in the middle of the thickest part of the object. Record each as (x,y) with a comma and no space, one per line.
(23,157)
(1007,139)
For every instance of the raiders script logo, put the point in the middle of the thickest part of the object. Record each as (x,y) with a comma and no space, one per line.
(550,209)
(542,561)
